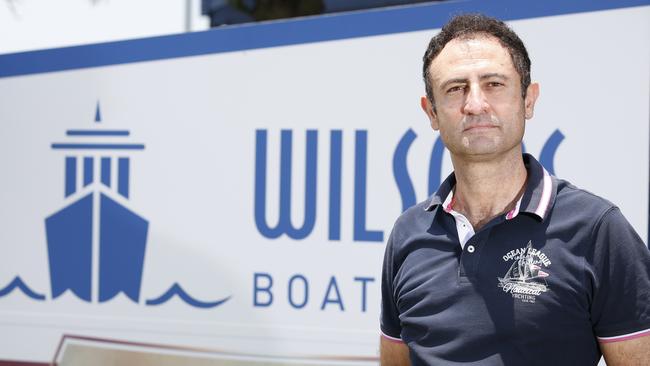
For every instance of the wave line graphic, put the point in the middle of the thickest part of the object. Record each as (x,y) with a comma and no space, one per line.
(177,290)
(17,282)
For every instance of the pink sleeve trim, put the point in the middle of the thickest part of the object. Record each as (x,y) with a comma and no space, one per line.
(624,337)
(392,339)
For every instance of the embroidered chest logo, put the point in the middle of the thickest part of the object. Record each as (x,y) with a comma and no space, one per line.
(525,279)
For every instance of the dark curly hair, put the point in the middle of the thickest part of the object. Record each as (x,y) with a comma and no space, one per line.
(468,26)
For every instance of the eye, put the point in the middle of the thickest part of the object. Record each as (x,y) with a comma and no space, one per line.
(494,84)
(456,88)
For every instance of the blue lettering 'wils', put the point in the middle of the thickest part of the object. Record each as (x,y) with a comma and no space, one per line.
(360,231)
(284,225)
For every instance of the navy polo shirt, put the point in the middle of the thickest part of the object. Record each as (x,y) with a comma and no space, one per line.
(541,286)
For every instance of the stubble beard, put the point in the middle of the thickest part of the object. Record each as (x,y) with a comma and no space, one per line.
(480,141)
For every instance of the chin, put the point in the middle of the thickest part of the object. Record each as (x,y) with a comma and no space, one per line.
(486,152)
(482,148)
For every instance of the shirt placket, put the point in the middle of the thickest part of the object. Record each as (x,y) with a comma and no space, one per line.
(471,252)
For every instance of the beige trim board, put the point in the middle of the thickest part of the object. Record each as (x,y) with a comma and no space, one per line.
(83,351)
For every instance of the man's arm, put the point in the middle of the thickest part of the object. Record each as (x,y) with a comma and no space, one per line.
(393,353)
(620,278)
(632,352)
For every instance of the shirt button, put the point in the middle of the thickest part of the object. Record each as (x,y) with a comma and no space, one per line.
(470,249)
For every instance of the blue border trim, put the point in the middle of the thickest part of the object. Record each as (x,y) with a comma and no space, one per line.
(289,32)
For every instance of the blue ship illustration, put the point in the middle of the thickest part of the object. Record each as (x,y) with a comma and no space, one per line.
(96,245)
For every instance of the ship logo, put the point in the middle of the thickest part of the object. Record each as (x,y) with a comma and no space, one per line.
(96,243)
(526,278)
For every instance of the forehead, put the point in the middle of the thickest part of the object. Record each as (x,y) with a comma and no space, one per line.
(463,56)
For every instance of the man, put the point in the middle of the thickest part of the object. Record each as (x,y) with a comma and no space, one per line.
(506,264)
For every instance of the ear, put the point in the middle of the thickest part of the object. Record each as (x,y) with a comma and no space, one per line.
(531,97)
(428,109)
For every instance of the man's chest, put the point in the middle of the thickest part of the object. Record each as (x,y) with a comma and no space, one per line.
(504,283)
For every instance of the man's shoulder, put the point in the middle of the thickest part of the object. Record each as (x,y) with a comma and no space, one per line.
(579,201)
(415,219)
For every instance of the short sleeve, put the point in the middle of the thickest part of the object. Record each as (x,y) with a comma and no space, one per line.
(390,323)
(620,270)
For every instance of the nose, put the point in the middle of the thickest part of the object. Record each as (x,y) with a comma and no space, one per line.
(475,101)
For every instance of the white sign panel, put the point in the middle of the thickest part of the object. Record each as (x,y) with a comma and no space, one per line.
(238,203)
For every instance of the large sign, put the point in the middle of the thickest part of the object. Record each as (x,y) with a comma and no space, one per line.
(234,198)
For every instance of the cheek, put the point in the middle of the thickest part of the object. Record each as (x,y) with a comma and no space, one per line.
(447,135)
(449,119)
(512,118)
(516,129)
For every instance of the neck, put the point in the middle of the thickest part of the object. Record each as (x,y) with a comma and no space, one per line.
(486,189)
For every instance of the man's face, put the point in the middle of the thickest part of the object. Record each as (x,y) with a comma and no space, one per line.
(479,108)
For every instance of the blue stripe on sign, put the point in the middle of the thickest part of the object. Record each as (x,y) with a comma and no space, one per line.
(123,177)
(70,175)
(57,146)
(88,170)
(97,133)
(106,171)
(290,32)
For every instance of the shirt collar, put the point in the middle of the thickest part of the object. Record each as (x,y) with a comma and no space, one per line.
(539,196)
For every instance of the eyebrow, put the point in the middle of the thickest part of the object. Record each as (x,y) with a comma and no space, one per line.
(464,80)
(493,75)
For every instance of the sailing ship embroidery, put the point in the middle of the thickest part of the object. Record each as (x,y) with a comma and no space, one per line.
(525,279)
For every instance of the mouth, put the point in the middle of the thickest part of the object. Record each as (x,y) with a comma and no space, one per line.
(479,127)
(480,123)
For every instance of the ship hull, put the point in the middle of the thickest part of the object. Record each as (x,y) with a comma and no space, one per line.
(122,244)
